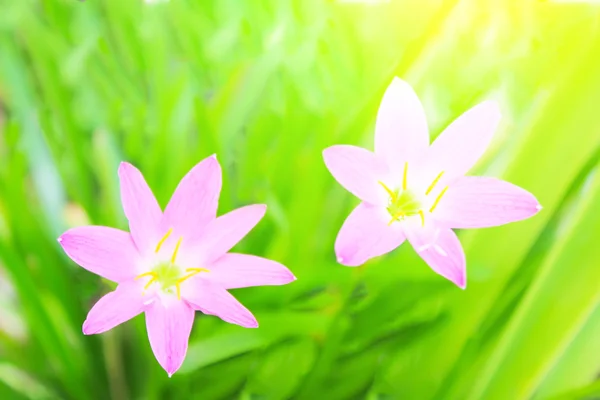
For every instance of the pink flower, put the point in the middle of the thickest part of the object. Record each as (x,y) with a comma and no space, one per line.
(172,263)
(411,190)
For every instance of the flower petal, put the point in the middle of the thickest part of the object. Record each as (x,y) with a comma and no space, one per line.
(358,170)
(169,325)
(195,201)
(462,143)
(235,270)
(212,299)
(114,308)
(226,231)
(440,249)
(401,133)
(140,207)
(107,252)
(479,202)
(365,234)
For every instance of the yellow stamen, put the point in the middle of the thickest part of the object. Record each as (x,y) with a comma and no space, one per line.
(198,270)
(154,276)
(163,240)
(404,177)
(422,214)
(186,277)
(437,200)
(389,191)
(150,282)
(174,256)
(395,217)
(435,181)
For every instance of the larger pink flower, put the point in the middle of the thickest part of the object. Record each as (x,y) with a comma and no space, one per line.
(411,190)
(172,263)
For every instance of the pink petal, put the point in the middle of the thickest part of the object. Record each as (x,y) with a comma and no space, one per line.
(358,170)
(478,202)
(212,299)
(226,231)
(440,249)
(195,201)
(462,143)
(365,234)
(169,325)
(401,132)
(107,252)
(141,208)
(115,308)
(235,270)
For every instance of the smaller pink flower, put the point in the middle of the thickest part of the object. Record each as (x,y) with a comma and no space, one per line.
(411,190)
(173,263)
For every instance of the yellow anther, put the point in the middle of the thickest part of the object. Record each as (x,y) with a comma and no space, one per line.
(164,238)
(404,177)
(435,181)
(422,214)
(198,270)
(437,200)
(140,276)
(174,256)
(178,290)
(186,277)
(389,191)
(150,282)
(395,217)
(154,276)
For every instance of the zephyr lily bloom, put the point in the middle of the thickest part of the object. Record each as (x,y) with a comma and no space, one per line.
(411,190)
(172,263)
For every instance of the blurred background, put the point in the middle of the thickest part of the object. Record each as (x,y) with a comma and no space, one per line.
(267,85)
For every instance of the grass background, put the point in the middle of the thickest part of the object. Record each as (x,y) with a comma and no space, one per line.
(267,85)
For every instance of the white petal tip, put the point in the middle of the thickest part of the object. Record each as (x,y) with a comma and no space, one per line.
(490,103)
(123,165)
(538,207)
(331,152)
(214,155)
(169,375)
(492,107)
(348,262)
(461,282)
(59,240)
(398,81)
(85,330)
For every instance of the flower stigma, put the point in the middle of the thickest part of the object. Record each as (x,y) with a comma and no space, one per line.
(168,274)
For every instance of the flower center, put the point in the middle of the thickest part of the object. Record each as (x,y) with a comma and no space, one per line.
(405,203)
(168,274)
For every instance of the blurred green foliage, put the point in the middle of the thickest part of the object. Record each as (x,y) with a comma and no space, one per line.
(267,85)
